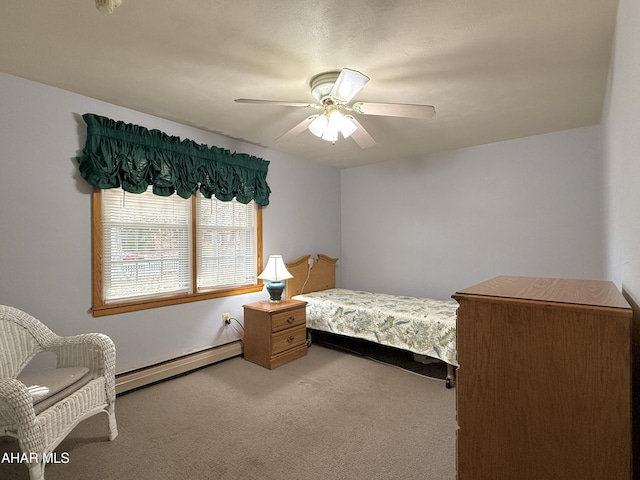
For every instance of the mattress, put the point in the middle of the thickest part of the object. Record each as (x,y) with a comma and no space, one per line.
(419,325)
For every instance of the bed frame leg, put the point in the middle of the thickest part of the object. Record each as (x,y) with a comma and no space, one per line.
(450,381)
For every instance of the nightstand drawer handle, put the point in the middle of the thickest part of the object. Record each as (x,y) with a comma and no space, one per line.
(290,320)
(290,338)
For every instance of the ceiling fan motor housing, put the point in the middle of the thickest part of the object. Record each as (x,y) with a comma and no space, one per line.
(322,84)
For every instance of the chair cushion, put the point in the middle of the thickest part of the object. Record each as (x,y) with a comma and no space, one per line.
(50,386)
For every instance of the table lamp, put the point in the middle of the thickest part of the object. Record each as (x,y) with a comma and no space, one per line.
(275,272)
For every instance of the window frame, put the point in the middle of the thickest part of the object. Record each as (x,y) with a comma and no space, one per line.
(100,308)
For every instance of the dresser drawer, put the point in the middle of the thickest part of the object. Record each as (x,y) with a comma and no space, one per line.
(288,319)
(288,339)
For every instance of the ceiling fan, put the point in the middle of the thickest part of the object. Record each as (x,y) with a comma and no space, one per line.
(334,91)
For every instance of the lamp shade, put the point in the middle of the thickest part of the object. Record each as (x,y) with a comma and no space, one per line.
(275,272)
(319,125)
(275,269)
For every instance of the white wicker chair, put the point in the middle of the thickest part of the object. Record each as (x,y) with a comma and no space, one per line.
(21,338)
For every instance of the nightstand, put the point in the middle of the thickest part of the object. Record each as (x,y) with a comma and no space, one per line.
(275,333)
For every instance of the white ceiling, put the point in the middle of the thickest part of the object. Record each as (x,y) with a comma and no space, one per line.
(493,69)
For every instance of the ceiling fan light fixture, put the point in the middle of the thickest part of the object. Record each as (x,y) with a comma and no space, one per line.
(329,124)
(335,121)
(348,127)
(330,136)
(319,125)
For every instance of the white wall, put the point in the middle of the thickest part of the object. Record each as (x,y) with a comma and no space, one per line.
(431,226)
(621,147)
(45,224)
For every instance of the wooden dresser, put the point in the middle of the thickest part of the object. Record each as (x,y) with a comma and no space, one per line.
(275,333)
(544,384)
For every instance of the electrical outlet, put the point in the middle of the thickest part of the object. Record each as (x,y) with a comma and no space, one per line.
(226,319)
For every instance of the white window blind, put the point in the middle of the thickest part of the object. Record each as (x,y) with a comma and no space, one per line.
(146,245)
(226,243)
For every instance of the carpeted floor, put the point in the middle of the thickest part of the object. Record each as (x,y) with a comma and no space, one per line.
(329,415)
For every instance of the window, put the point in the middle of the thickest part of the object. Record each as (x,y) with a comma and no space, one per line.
(151,251)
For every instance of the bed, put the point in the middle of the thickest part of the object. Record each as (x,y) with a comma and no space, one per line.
(422,326)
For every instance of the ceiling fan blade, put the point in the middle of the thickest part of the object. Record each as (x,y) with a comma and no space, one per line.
(297,130)
(395,109)
(276,102)
(360,135)
(347,85)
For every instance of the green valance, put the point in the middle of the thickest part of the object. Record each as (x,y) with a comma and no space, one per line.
(118,154)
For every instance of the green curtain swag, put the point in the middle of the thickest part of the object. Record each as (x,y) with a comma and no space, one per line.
(118,154)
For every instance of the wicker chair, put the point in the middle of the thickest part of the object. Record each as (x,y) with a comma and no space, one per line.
(40,424)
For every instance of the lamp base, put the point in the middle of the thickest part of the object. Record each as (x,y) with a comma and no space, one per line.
(275,290)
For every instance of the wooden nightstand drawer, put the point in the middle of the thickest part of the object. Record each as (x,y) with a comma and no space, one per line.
(288,339)
(290,319)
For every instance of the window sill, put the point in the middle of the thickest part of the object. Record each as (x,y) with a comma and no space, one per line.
(133,306)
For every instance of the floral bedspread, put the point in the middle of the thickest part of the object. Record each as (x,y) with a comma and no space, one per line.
(419,325)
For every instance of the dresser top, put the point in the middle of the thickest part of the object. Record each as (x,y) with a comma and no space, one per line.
(557,290)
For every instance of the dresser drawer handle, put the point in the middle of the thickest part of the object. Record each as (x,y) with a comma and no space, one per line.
(290,320)
(290,338)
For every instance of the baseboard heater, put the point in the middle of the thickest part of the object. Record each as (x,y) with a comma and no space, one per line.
(170,368)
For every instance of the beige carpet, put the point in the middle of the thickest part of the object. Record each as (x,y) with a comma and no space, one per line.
(329,415)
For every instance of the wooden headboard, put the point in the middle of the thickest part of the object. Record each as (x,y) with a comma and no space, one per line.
(322,275)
